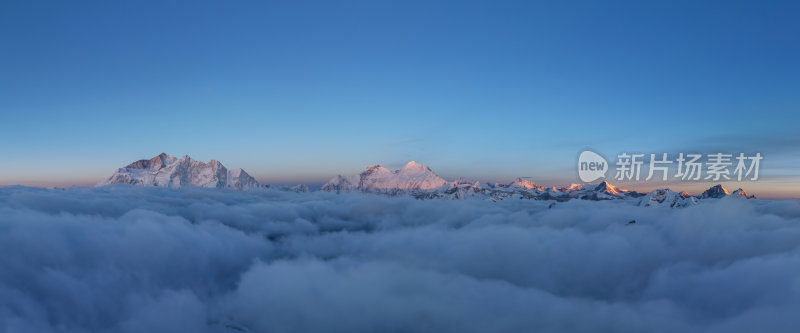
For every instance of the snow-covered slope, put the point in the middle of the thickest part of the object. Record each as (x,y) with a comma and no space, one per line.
(525,184)
(419,181)
(412,176)
(602,191)
(741,194)
(341,183)
(665,197)
(169,171)
(718,191)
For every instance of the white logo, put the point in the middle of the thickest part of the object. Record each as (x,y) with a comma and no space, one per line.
(591,166)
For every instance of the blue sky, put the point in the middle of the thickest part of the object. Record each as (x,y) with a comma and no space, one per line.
(300,91)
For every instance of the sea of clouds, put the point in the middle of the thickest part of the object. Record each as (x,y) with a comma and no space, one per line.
(123,259)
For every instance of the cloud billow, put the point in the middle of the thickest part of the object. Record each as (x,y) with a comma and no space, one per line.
(127,259)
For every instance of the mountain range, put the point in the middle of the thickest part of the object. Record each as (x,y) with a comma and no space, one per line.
(413,179)
(169,171)
(412,176)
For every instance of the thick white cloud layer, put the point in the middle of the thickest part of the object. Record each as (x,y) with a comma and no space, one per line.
(122,259)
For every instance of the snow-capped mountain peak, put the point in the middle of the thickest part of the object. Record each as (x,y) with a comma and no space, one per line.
(741,193)
(168,171)
(716,191)
(606,187)
(572,187)
(668,198)
(412,176)
(376,169)
(719,191)
(414,167)
(526,184)
(154,163)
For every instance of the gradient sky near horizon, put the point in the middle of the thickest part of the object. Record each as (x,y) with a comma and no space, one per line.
(299,91)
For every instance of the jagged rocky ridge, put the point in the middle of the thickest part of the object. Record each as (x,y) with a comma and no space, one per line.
(169,171)
(421,182)
(413,179)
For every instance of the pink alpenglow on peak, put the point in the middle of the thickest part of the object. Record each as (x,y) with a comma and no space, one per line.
(415,166)
(526,184)
(607,188)
(168,171)
(572,187)
(719,191)
(412,176)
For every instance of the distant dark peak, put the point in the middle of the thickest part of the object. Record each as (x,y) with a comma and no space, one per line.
(602,186)
(716,191)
